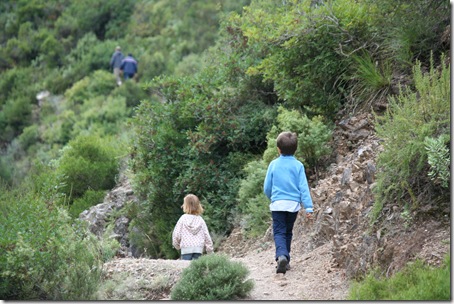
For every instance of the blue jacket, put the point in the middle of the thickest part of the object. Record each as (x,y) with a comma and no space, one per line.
(129,65)
(286,185)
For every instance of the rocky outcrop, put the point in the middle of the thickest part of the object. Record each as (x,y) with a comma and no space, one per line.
(344,198)
(99,217)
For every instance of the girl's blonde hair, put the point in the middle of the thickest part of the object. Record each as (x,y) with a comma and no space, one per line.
(192,205)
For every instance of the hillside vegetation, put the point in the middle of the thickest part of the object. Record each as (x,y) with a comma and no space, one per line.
(217,82)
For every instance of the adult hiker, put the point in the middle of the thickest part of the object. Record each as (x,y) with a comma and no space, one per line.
(115,63)
(129,67)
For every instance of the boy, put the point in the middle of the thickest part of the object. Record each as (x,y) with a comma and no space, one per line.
(286,186)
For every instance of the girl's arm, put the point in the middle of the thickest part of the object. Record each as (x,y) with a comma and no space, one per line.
(176,235)
(208,241)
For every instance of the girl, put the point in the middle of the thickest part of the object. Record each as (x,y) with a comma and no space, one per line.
(191,233)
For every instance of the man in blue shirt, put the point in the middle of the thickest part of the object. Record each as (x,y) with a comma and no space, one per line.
(129,67)
(286,186)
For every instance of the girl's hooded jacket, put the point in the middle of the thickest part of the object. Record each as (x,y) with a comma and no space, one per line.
(191,235)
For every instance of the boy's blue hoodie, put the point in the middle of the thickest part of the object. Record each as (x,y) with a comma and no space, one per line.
(286,185)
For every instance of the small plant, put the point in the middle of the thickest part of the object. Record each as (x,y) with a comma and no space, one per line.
(372,80)
(416,282)
(438,159)
(213,277)
(121,286)
(406,216)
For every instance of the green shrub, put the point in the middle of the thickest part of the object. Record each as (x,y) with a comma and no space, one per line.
(100,83)
(439,159)
(212,277)
(371,80)
(253,204)
(101,115)
(29,136)
(108,245)
(89,198)
(132,92)
(44,255)
(410,30)
(313,136)
(416,282)
(14,117)
(412,117)
(87,162)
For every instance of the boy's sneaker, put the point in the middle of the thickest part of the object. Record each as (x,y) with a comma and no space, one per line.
(282,263)
(288,266)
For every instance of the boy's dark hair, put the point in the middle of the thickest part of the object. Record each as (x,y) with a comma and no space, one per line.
(287,142)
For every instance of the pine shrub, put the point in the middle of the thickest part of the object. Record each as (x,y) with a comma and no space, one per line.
(213,277)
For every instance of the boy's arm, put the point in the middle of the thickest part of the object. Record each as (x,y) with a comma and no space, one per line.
(267,185)
(305,193)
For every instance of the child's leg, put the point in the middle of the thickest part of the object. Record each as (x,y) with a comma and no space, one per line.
(190,256)
(186,257)
(279,232)
(290,221)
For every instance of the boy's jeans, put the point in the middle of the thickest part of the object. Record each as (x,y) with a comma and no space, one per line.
(283,231)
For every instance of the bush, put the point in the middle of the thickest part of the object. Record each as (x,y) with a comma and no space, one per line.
(90,198)
(439,159)
(44,255)
(213,277)
(416,282)
(412,117)
(132,92)
(253,204)
(313,137)
(29,137)
(100,83)
(87,162)
(101,115)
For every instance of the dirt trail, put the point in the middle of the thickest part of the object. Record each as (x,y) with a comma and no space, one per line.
(311,276)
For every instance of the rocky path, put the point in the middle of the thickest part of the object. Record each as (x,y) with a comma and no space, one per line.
(311,277)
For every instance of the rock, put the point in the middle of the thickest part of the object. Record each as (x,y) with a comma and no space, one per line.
(98,216)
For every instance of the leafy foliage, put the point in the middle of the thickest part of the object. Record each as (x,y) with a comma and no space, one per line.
(89,198)
(438,159)
(416,282)
(212,277)
(411,119)
(88,162)
(44,255)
